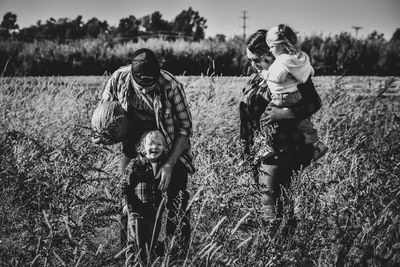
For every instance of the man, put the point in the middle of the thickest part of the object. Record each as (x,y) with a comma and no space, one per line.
(155,99)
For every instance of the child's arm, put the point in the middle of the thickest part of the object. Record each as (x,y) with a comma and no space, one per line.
(277,73)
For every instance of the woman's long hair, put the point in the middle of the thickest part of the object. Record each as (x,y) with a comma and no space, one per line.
(256,43)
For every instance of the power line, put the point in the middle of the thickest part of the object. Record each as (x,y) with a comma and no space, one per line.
(244,17)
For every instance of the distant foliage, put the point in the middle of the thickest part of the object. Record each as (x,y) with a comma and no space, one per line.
(345,55)
(333,55)
(188,24)
(8,25)
(191,24)
(67,46)
(95,57)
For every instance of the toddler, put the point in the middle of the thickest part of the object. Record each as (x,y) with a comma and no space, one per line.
(142,196)
(290,68)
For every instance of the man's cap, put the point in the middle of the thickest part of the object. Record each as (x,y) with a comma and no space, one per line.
(145,68)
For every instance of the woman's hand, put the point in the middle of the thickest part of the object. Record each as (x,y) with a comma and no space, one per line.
(273,114)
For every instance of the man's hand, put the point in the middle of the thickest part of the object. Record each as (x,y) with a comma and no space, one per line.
(125,209)
(164,173)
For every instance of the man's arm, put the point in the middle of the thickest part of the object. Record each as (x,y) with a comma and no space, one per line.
(182,114)
(181,110)
(180,145)
(109,91)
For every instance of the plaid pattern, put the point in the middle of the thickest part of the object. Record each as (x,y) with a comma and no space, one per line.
(168,101)
(256,98)
(140,188)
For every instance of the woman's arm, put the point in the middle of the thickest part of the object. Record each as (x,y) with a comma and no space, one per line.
(307,106)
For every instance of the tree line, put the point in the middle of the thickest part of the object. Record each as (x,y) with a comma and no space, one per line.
(73,48)
(188,24)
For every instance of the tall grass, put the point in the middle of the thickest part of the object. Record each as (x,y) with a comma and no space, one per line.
(60,203)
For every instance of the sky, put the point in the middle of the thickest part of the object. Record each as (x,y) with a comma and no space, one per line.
(326,17)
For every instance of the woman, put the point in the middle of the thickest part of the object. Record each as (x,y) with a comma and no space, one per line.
(272,173)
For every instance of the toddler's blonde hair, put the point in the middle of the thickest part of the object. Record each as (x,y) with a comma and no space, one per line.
(151,134)
(285,36)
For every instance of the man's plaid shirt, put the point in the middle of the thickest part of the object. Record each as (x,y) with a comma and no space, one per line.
(168,100)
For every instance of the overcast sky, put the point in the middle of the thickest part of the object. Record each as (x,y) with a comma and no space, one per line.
(224,16)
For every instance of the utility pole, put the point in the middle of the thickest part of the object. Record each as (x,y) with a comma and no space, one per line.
(356,28)
(244,17)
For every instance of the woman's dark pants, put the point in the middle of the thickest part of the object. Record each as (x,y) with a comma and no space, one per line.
(275,175)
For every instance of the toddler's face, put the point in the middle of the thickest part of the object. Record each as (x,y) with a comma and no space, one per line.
(154,147)
(276,49)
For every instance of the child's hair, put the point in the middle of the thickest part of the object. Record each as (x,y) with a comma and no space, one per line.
(150,134)
(256,43)
(285,36)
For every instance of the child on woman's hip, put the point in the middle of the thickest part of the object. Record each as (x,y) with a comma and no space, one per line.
(290,68)
(286,100)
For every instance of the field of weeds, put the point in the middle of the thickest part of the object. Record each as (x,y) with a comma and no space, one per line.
(59,193)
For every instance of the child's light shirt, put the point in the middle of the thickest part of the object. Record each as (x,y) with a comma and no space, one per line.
(287,72)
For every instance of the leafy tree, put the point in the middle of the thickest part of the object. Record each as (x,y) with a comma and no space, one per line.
(8,25)
(128,27)
(94,27)
(190,23)
(375,36)
(29,34)
(391,55)
(396,36)
(74,29)
(63,29)
(49,29)
(155,23)
(220,38)
(33,32)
